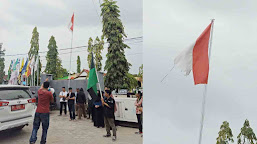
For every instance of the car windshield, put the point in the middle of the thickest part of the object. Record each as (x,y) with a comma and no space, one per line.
(14,94)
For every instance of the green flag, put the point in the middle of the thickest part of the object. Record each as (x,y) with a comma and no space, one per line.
(92,80)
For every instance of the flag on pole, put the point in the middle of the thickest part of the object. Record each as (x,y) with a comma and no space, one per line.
(196,58)
(28,70)
(15,64)
(36,63)
(24,67)
(10,71)
(71,24)
(32,63)
(22,64)
(92,80)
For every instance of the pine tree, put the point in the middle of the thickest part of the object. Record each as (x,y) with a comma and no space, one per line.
(116,64)
(34,48)
(78,65)
(98,47)
(246,135)
(89,50)
(225,134)
(52,58)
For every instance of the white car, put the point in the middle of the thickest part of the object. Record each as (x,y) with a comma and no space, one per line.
(17,107)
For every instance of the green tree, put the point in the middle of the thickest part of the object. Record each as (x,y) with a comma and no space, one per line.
(52,58)
(61,72)
(2,65)
(98,47)
(129,82)
(140,73)
(116,64)
(78,65)
(246,135)
(89,50)
(34,48)
(225,134)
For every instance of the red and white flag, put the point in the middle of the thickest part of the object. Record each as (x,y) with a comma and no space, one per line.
(196,57)
(71,24)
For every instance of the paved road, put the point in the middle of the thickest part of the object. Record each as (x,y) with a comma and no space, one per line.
(63,131)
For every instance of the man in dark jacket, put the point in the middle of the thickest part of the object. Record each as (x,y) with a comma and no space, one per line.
(71,104)
(108,104)
(81,100)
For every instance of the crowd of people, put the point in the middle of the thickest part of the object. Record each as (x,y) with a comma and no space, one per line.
(100,109)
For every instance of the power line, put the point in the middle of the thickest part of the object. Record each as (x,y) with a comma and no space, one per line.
(78,47)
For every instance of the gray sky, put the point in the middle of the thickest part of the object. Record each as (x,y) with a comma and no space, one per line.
(173,109)
(18,18)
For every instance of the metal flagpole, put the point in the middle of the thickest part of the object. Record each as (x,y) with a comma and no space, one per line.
(70,59)
(205,89)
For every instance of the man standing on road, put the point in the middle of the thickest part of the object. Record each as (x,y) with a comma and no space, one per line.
(71,104)
(63,101)
(42,113)
(81,100)
(108,104)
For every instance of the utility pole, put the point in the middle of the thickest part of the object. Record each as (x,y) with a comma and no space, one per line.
(2,73)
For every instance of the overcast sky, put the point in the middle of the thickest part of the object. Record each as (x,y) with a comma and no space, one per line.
(18,18)
(174,106)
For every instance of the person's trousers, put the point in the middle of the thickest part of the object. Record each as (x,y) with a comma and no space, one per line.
(44,118)
(72,111)
(63,104)
(81,109)
(109,123)
(77,108)
(139,119)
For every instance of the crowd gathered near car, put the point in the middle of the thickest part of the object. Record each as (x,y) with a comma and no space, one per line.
(100,109)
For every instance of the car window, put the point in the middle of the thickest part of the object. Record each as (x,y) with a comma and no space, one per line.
(14,94)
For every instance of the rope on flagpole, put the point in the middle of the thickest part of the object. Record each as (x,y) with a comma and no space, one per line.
(168,73)
(205,89)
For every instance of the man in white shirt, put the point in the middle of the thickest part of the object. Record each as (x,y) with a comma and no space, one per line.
(63,101)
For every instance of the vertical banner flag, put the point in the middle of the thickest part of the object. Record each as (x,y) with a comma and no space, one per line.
(71,24)
(92,80)
(196,58)
(24,67)
(28,70)
(22,64)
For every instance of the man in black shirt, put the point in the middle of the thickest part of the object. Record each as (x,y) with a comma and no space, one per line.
(108,104)
(71,104)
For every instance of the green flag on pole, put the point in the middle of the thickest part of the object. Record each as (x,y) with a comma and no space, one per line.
(92,80)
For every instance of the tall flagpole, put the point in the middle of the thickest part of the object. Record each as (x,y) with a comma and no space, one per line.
(70,59)
(205,89)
